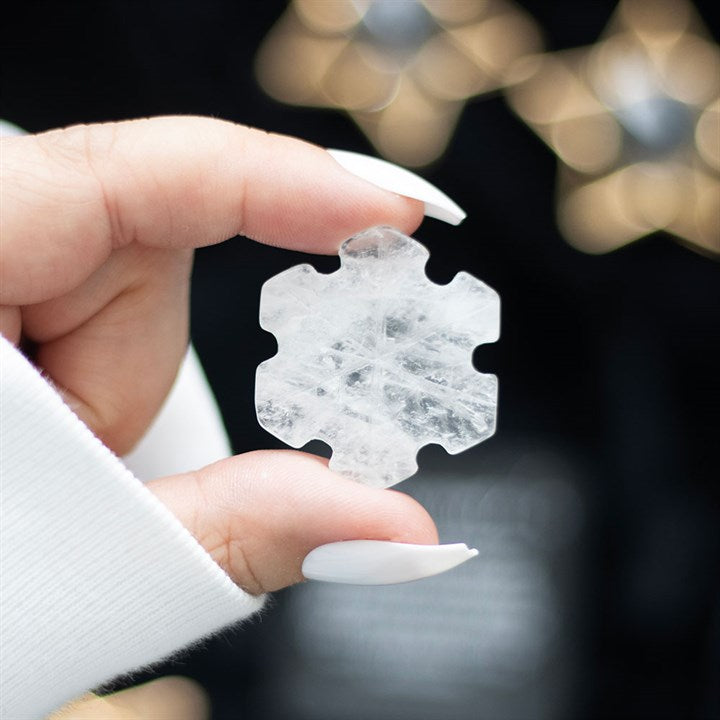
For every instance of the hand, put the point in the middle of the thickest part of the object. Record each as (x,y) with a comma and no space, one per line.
(98,227)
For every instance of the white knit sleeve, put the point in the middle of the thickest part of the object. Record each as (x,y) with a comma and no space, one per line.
(97,577)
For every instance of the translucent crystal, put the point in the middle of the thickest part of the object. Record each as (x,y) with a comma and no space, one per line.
(376,360)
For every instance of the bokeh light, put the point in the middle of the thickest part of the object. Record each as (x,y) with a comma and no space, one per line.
(635,123)
(488,640)
(403,69)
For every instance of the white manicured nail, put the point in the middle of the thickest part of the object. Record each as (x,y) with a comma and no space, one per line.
(378,562)
(7,129)
(403,182)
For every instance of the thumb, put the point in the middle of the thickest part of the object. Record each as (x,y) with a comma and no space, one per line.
(259,514)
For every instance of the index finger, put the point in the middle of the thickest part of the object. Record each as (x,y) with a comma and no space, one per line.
(69,197)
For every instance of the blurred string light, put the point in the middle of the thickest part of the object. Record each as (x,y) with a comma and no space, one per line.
(403,69)
(635,123)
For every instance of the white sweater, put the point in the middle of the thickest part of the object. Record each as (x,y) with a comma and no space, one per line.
(97,577)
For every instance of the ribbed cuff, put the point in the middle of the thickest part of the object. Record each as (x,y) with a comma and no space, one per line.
(97,576)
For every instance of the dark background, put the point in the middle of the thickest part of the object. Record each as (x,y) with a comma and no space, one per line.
(612,361)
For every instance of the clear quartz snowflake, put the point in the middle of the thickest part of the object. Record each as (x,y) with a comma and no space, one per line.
(376,360)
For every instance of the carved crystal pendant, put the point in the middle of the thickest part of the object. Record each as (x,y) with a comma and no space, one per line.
(376,360)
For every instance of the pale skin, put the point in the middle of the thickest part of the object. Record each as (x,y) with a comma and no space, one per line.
(98,225)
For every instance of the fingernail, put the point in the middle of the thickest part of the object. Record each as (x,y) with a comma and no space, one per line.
(7,129)
(378,562)
(403,182)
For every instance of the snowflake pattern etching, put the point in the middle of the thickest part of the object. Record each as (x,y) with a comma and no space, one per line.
(376,360)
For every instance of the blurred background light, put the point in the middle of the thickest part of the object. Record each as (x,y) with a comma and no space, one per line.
(488,640)
(402,69)
(635,124)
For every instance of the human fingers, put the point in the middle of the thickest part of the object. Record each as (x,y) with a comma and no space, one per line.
(259,514)
(168,698)
(113,345)
(97,224)
(71,196)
